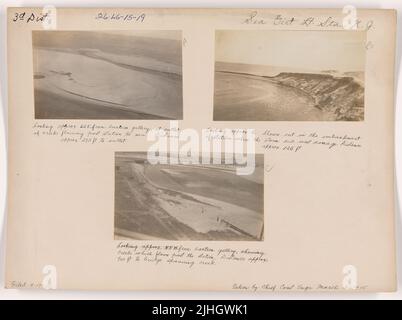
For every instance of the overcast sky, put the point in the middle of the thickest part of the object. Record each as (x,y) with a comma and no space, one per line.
(310,50)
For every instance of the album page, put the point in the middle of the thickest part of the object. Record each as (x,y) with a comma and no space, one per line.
(238,150)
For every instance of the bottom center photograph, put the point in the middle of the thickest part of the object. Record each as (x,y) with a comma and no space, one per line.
(187,201)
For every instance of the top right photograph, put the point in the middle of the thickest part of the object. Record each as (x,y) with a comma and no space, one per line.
(270,75)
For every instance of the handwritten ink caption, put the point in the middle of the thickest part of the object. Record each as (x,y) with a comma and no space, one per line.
(30,17)
(186,256)
(326,22)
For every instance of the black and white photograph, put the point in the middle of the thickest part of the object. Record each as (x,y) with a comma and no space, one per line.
(187,201)
(272,75)
(108,74)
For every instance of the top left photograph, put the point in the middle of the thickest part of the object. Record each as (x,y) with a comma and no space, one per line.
(108,74)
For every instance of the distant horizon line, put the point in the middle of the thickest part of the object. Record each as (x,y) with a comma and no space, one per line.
(286,67)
